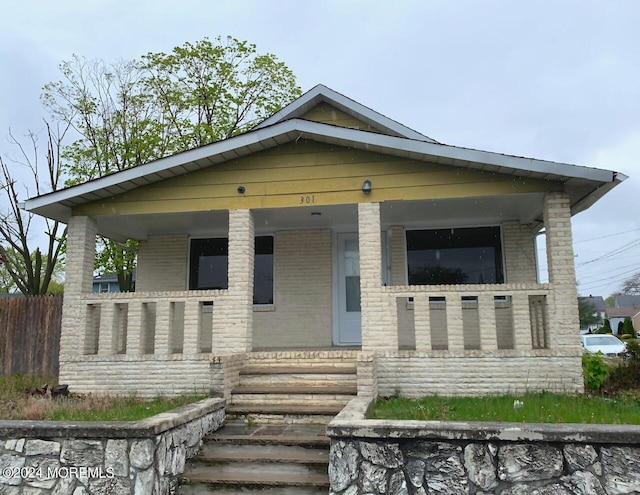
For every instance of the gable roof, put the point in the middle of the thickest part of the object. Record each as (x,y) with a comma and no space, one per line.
(623,312)
(597,302)
(626,300)
(321,93)
(585,185)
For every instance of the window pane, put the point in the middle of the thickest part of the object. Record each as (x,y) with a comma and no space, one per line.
(263,271)
(209,263)
(454,256)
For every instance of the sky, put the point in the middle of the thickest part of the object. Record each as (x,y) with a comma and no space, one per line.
(555,80)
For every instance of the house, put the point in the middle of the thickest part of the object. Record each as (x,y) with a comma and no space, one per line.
(105,283)
(618,315)
(626,301)
(329,231)
(599,310)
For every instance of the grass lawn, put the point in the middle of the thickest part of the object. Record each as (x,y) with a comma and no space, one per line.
(15,403)
(531,407)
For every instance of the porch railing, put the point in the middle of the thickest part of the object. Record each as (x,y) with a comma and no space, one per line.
(160,323)
(470,317)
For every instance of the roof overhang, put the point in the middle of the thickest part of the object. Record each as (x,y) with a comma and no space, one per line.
(584,185)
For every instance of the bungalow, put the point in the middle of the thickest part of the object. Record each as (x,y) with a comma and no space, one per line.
(328,231)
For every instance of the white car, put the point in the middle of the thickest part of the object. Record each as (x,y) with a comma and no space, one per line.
(606,344)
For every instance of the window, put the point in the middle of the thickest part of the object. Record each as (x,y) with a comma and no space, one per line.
(104,287)
(209,261)
(455,256)
(263,271)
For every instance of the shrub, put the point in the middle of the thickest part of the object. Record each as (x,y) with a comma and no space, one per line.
(594,370)
(626,336)
(626,375)
(607,326)
(627,326)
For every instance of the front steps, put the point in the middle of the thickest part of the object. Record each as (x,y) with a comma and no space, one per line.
(291,384)
(265,459)
(274,441)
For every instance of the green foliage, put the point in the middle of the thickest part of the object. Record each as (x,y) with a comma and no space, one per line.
(132,112)
(542,407)
(626,336)
(627,327)
(587,313)
(594,370)
(605,328)
(625,375)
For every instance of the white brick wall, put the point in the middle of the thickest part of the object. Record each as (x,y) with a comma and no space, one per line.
(563,302)
(303,292)
(519,253)
(162,263)
(416,374)
(81,249)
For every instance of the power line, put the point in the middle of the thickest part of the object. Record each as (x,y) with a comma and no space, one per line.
(606,236)
(622,249)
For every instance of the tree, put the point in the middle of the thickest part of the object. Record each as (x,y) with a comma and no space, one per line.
(627,327)
(587,313)
(631,286)
(132,112)
(30,269)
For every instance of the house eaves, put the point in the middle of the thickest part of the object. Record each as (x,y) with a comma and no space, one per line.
(323,94)
(585,184)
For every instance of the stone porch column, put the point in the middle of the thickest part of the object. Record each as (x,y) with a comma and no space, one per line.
(233,322)
(563,323)
(81,253)
(379,314)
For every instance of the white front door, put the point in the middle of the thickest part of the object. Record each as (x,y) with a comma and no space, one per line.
(349,316)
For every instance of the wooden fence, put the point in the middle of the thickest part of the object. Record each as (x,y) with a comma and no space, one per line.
(30,335)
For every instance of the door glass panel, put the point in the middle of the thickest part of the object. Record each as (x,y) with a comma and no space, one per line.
(353,294)
(352,275)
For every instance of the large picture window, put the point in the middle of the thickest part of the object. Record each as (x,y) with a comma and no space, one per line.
(455,256)
(209,262)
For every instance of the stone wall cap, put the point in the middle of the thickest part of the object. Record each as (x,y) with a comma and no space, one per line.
(351,422)
(145,428)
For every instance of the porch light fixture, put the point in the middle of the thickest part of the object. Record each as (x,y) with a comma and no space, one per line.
(366,186)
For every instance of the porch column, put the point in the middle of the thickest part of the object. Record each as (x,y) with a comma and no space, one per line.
(379,313)
(81,253)
(233,326)
(563,323)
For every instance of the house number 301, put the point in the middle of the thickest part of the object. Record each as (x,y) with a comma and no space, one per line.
(307,200)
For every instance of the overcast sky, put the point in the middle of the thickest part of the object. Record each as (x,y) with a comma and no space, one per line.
(556,80)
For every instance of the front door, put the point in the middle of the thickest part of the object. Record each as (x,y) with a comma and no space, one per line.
(349,316)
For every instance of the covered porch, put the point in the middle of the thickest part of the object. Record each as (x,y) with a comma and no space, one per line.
(182,335)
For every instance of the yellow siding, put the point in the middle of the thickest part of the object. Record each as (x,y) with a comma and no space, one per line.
(326,114)
(307,173)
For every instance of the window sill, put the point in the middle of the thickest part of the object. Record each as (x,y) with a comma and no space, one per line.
(263,308)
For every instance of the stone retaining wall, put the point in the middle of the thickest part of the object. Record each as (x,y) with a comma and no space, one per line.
(141,457)
(424,457)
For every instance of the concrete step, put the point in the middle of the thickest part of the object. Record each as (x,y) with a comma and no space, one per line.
(255,475)
(299,441)
(270,453)
(269,397)
(200,489)
(321,380)
(246,458)
(299,368)
(295,389)
(286,408)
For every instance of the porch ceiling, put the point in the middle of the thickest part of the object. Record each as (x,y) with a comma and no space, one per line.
(492,210)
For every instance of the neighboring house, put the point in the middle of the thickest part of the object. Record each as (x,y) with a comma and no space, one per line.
(617,315)
(108,283)
(626,301)
(329,230)
(103,284)
(599,308)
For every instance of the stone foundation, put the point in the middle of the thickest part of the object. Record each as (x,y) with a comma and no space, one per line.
(142,457)
(424,457)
